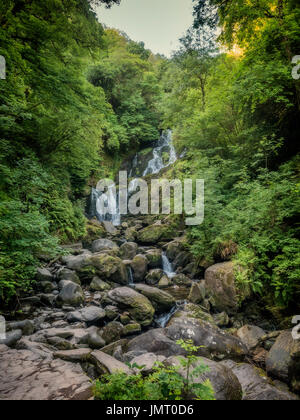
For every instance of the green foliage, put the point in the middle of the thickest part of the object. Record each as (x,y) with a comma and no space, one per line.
(164,383)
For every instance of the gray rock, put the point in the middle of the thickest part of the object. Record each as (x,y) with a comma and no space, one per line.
(60,343)
(92,315)
(70,294)
(107,364)
(74,356)
(66,274)
(197,293)
(112,332)
(110,228)
(103,244)
(95,340)
(148,361)
(44,275)
(128,250)
(99,285)
(251,335)
(154,257)
(161,301)
(12,338)
(26,326)
(222,319)
(154,276)
(139,266)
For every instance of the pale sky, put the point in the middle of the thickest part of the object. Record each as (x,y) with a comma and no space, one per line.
(158,23)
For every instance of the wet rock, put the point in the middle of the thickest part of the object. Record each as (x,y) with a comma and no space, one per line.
(251,335)
(283,361)
(154,276)
(191,310)
(110,268)
(44,275)
(216,343)
(138,306)
(71,294)
(26,376)
(256,386)
(103,244)
(91,315)
(225,384)
(74,356)
(161,301)
(108,364)
(98,285)
(139,266)
(222,287)
(154,257)
(12,337)
(128,250)
(112,332)
(197,293)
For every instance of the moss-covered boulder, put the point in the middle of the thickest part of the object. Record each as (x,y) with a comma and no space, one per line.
(138,306)
(155,233)
(154,257)
(128,250)
(70,294)
(99,285)
(109,268)
(162,301)
(94,231)
(154,276)
(221,284)
(139,266)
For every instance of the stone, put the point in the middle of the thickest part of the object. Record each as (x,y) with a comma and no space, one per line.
(110,228)
(138,306)
(255,385)
(112,347)
(154,276)
(174,248)
(191,310)
(26,326)
(12,337)
(217,345)
(225,384)
(197,293)
(112,332)
(71,294)
(132,328)
(26,376)
(43,274)
(283,360)
(98,285)
(107,364)
(161,301)
(46,286)
(139,266)
(112,312)
(148,361)
(182,280)
(222,319)
(60,343)
(95,340)
(77,262)
(154,341)
(164,282)
(128,250)
(110,268)
(251,335)
(103,244)
(222,287)
(66,274)
(130,234)
(74,356)
(152,234)
(91,315)
(154,257)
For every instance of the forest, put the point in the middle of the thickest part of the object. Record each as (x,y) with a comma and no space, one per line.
(80,99)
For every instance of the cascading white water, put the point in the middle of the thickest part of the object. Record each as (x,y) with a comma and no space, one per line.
(167,267)
(107,207)
(131,279)
(156,164)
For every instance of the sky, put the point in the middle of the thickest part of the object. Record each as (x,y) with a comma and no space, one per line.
(158,23)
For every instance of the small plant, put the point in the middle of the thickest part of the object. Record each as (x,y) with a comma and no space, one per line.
(164,383)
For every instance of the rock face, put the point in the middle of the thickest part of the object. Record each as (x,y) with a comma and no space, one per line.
(137,305)
(103,244)
(256,386)
(139,266)
(162,301)
(283,360)
(25,376)
(71,294)
(221,285)
(216,343)
(250,335)
(225,384)
(110,268)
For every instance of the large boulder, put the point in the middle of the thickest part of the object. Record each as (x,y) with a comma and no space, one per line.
(161,301)
(24,375)
(255,385)
(112,332)
(221,285)
(110,268)
(174,248)
(215,343)
(70,294)
(103,244)
(154,276)
(154,257)
(128,250)
(139,307)
(251,335)
(225,384)
(91,315)
(139,266)
(283,360)
(76,262)
(67,274)
(151,235)
(154,341)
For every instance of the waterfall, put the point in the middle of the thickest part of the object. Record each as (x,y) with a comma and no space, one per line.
(167,267)
(156,164)
(106,206)
(162,320)
(130,273)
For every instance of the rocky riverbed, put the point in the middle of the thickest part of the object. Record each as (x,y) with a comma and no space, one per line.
(114,300)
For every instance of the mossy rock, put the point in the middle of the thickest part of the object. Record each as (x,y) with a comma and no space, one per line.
(155,233)
(109,268)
